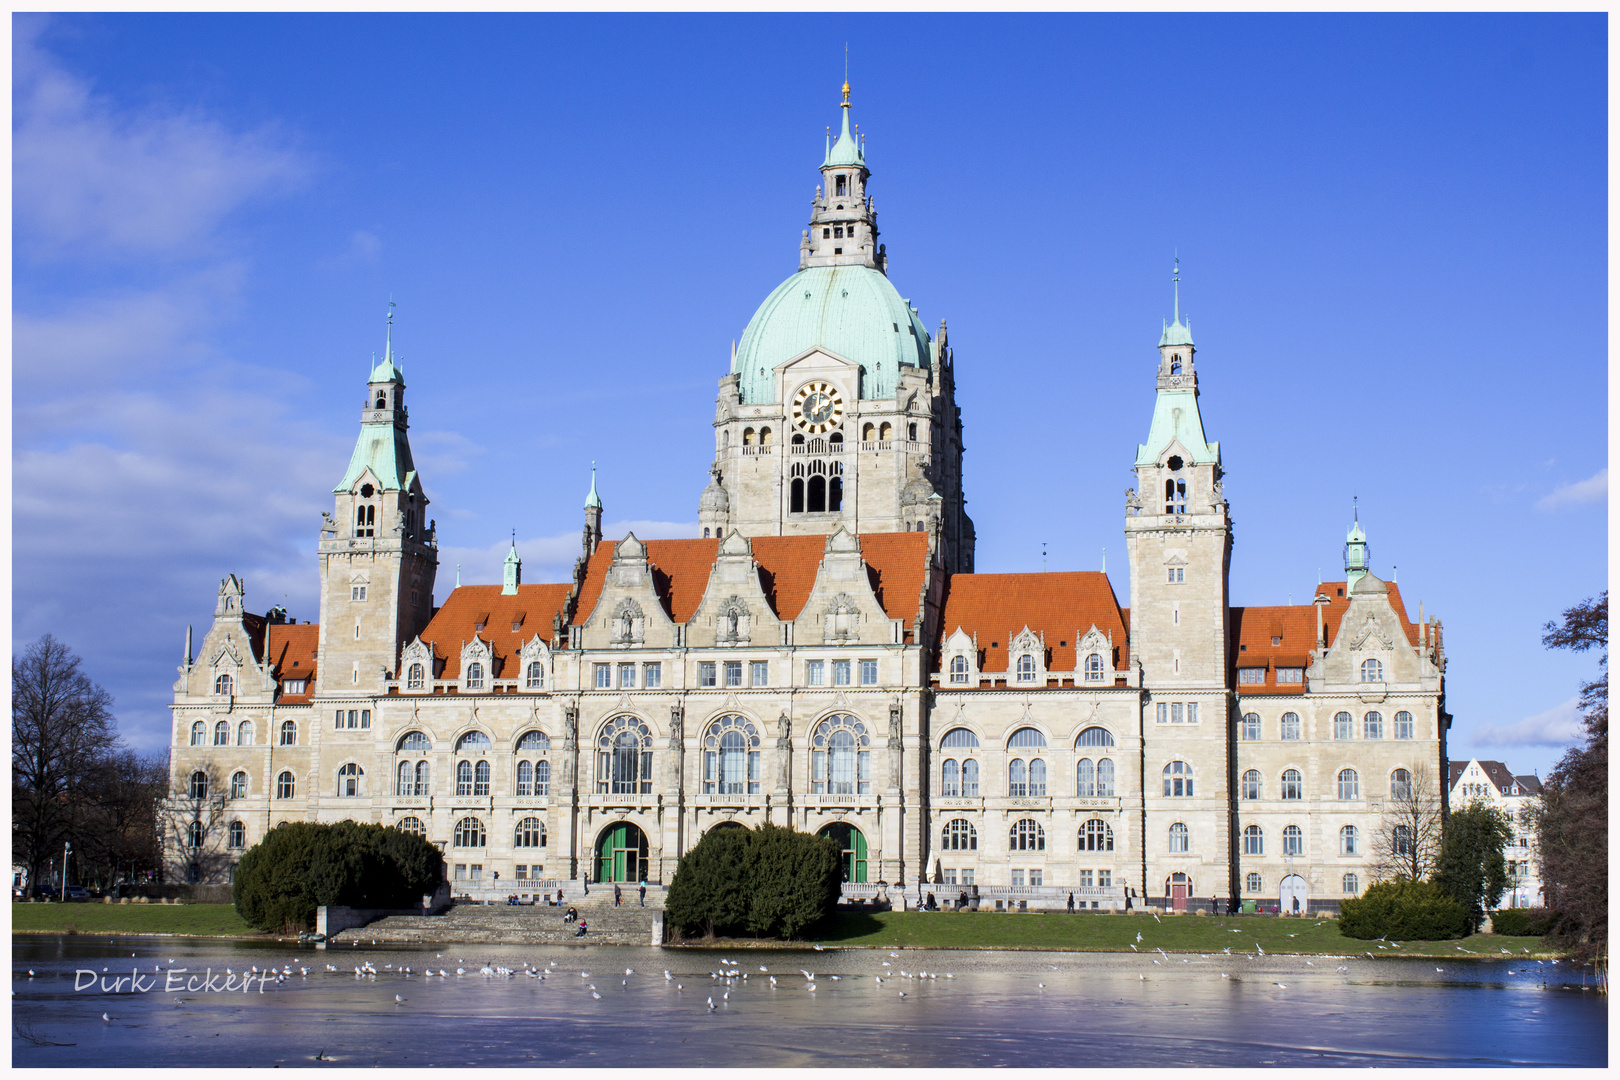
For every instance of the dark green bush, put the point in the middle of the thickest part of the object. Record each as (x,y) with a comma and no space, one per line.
(1403,910)
(1522,922)
(769,881)
(300,866)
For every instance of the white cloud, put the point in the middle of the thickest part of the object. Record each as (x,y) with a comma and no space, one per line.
(1558,726)
(1593,489)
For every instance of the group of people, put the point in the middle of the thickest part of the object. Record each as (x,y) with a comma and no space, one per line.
(618,894)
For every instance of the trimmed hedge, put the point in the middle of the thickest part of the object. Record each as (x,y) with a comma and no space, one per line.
(300,866)
(1522,922)
(1403,910)
(768,882)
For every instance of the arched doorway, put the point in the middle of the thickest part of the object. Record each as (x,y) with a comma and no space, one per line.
(1179,888)
(621,853)
(852,842)
(1294,900)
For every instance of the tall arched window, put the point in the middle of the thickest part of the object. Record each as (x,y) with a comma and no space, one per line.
(481,779)
(1372,670)
(840,758)
(1372,726)
(196,834)
(1026,835)
(959,669)
(1349,784)
(1026,668)
(222,733)
(1349,841)
(624,757)
(1254,841)
(1290,726)
(731,764)
(1094,668)
(1105,778)
(1400,784)
(469,833)
(199,785)
(530,834)
(224,685)
(960,835)
(239,784)
(1178,780)
(1179,840)
(950,775)
(464,778)
(423,777)
(1293,785)
(238,835)
(1293,841)
(1017,778)
(285,786)
(1085,783)
(199,734)
(1343,725)
(244,734)
(1037,777)
(970,779)
(406,782)
(1403,725)
(1250,728)
(1095,736)
(415,677)
(1251,784)
(411,825)
(1402,840)
(525,779)
(1096,835)
(1351,884)
(536,676)
(542,778)
(289,733)
(475,676)
(350,779)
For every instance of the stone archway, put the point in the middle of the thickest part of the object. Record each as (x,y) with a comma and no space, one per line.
(621,853)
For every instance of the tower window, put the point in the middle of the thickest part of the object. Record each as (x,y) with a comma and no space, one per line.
(365,519)
(912,432)
(1175,496)
(382,400)
(842,184)
(826,234)
(1175,575)
(838,231)
(1175,364)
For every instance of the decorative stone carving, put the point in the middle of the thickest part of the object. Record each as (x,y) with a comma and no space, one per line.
(1369,630)
(842,619)
(629,625)
(784,754)
(1133,502)
(732,621)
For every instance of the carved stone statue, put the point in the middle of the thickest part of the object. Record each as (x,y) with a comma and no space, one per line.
(784,754)
(328,524)
(784,728)
(1133,502)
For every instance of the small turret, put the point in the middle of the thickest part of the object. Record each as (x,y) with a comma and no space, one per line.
(513,571)
(1355,554)
(593,516)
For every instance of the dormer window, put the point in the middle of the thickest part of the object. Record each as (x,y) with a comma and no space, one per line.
(842,184)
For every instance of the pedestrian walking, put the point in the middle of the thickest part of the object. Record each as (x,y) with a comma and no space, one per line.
(617,896)
(643,892)
(1071,903)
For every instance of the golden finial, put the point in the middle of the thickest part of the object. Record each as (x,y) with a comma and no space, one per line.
(846,91)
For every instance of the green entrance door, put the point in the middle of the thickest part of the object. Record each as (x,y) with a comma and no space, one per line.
(621,853)
(853,843)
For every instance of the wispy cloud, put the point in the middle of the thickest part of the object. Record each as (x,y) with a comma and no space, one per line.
(1558,726)
(1593,489)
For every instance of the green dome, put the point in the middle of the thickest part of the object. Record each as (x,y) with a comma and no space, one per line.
(853,311)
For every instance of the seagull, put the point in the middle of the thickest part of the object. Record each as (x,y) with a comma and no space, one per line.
(1157,919)
(762,967)
(1224,975)
(667,976)
(1439,969)
(712,1005)
(398,1000)
(895,955)
(1040,986)
(1341,967)
(948,975)
(902,993)
(1281,985)
(1309,964)
(879,979)
(629,971)
(105,1019)
(812,986)
(818,948)
(1133,947)
(1139,935)
(30,973)
(1257,946)
(773,980)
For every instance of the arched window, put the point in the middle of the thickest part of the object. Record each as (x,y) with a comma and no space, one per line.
(1105,778)
(1175,363)
(285,788)
(199,785)
(1017,778)
(1403,725)
(525,779)
(885,431)
(423,777)
(238,835)
(1343,725)
(816,495)
(536,676)
(1293,841)
(1250,728)
(534,742)
(469,833)
(199,734)
(1290,725)
(244,734)
(1400,784)
(970,779)
(405,784)
(382,400)
(530,833)
(415,676)
(224,685)
(1026,736)
(840,758)
(1096,835)
(748,436)
(1085,783)
(1351,884)
(1293,786)
(473,742)
(1094,668)
(957,738)
(796,490)
(1026,668)
(475,676)
(868,433)
(1178,780)
(1372,726)
(624,757)
(239,784)
(1251,784)
(959,669)
(542,778)
(1349,841)
(289,733)
(463,778)
(1349,784)
(1027,835)
(481,779)
(1095,736)
(414,742)
(731,757)
(1175,496)
(960,836)
(195,834)
(1254,841)
(222,733)
(1402,840)
(1037,777)
(950,776)
(350,779)
(1252,884)
(1179,840)
(411,825)
(765,437)
(1372,670)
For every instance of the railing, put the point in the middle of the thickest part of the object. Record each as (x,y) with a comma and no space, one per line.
(756,451)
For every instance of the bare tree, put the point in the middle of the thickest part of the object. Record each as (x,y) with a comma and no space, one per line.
(1408,839)
(193,826)
(117,838)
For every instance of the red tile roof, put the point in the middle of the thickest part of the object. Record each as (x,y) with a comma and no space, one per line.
(457,621)
(291,655)
(1060,605)
(1253,629)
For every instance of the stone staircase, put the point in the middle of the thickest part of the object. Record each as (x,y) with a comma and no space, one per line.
(503,924)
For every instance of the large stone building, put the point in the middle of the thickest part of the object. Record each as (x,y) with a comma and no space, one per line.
(823,655)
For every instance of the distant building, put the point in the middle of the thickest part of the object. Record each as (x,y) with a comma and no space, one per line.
(1517,796)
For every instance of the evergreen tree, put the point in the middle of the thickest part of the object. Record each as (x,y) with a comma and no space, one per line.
(300,866)
(708,891)
(769,881)
(1472,869)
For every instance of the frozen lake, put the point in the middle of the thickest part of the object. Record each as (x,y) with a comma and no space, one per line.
(1094,1010)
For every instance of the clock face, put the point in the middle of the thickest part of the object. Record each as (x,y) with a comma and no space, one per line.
(817,408)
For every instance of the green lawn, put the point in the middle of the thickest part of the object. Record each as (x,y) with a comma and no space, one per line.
(202,920)
(1117,933)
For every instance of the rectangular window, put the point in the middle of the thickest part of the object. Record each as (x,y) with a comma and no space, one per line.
(815,673)
(477,871)
(1105,879)
(1178,712)
(652,676)
(293,686)
(840,672)
(1174,575)
(604,676)
(627,676)
(1251,676)
(868,672)
(340,715)
(947,877)
(759,673)
(1085,879)
(365,719)
(461,871)
(733,672)
(706,673)
(358,592)
(1035,876)
(1163,713)
(1192,712)
(522,871)
(1018,879)
(967,877)
(1290,675)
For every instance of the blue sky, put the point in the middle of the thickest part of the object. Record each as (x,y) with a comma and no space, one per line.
(1392,232)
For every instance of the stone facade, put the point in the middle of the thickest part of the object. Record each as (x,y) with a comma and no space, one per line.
(1519,797)
(823,656)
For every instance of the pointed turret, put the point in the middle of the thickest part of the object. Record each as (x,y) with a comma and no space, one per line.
(512,573)
(1355,553)
(843,224)
(593,516)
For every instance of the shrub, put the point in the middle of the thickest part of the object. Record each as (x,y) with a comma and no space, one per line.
(769,881)
(300,866)
(1403,910)
(1522,922)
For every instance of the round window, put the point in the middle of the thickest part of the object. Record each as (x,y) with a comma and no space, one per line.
(1174,464)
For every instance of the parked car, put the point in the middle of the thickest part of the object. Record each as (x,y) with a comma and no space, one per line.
(77,892)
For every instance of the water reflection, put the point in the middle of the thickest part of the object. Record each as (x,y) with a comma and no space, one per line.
(1017,1009)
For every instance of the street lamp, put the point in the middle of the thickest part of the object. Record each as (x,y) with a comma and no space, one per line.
(61,892)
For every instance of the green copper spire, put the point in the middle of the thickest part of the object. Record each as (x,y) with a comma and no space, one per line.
(1175,333)
(388,371)
(593,501)
(513,571)
(845,151)
(1355,553)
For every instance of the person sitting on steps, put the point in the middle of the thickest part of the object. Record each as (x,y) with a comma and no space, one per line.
(581,931)
(570,915)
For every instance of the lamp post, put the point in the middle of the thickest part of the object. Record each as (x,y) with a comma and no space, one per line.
(61,892)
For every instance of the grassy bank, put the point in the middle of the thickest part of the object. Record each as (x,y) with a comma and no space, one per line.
(201,920)
(1117,933)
